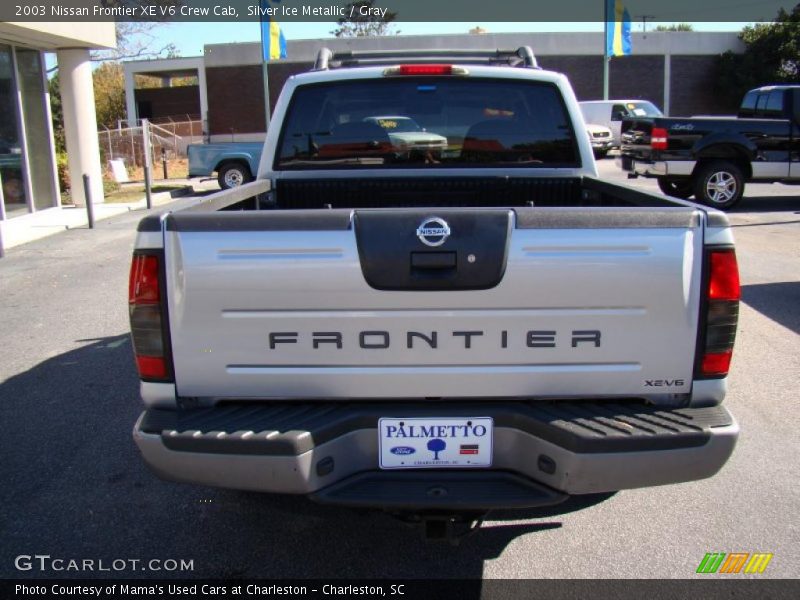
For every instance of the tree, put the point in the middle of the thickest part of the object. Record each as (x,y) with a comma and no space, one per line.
(109,93)
(678,27)
(135,39)
(109,100)
(365,22)
(772,55)
(57,111)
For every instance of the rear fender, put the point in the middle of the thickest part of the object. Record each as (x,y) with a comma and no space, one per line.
(723,146)
(235,157)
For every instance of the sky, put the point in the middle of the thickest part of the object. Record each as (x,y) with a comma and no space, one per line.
(189,38)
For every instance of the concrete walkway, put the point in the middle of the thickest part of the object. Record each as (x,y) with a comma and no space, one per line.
(42,223)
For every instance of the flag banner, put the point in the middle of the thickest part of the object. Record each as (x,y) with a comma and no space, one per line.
(618,29)
(273,44)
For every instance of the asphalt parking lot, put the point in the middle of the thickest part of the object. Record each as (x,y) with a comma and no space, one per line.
(73,485)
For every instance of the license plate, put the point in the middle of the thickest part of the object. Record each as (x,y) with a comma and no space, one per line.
(435,443)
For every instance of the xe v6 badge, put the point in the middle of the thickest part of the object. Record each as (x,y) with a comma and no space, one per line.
(433,231)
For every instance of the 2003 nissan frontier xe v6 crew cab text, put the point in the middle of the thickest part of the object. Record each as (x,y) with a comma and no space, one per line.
(442,330)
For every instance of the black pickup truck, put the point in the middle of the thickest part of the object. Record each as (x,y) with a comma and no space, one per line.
(712,157)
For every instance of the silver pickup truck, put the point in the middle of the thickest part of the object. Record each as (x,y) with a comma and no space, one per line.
(453,328)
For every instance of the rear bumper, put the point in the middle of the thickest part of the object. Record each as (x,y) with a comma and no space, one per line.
(601,144)
(542,451)
(656,168)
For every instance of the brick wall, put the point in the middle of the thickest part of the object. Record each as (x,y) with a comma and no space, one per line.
(279,72)
(235,99)
(585,73)
(629,76)
(236,95)
(637,77)
(694,91)
(175,102)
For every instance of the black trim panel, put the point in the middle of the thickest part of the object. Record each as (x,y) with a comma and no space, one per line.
(624,195)
(150,224)
(527,218)
(607,218)
(293,428)
(267,220)
(456,191)
(471,256)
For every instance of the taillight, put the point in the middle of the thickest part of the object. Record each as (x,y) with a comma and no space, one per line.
(723,283)
(151,367)
(143,281)
(717,363)
(658,138)
(722,313)
(426,69)
(144,306)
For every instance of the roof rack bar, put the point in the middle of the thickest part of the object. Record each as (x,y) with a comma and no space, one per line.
(522,57)
(323,59)
(526,54)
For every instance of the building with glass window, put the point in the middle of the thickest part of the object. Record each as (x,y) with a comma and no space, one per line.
(27,157)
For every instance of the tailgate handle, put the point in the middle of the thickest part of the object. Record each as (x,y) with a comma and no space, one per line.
(433,260)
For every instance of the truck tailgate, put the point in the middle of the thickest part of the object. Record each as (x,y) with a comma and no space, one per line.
(286,304)
(636,136)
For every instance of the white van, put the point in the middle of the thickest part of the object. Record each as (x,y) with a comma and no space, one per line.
(611,112)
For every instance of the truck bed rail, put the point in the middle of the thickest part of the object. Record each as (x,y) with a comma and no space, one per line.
(224,199)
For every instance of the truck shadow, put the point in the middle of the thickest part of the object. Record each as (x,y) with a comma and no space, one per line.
(777,301)
(75,486)
(759,204)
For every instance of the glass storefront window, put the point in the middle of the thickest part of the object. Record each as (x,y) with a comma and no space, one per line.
(37,129)
(11,159)
(26,155)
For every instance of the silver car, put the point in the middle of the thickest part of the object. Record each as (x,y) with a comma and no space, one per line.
(406,134)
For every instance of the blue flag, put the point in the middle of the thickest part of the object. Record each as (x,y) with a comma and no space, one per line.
(618,29)
(273,44)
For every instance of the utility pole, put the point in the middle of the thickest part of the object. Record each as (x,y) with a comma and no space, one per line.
(148,162)
(644,22)
(606,57)
(267,109)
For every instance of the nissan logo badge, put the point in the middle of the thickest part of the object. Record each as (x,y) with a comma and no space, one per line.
(433,231)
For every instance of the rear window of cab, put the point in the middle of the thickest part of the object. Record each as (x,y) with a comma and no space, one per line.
(427,122)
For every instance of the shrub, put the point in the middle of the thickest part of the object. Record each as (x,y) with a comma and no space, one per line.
(62,165)
(110,186)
